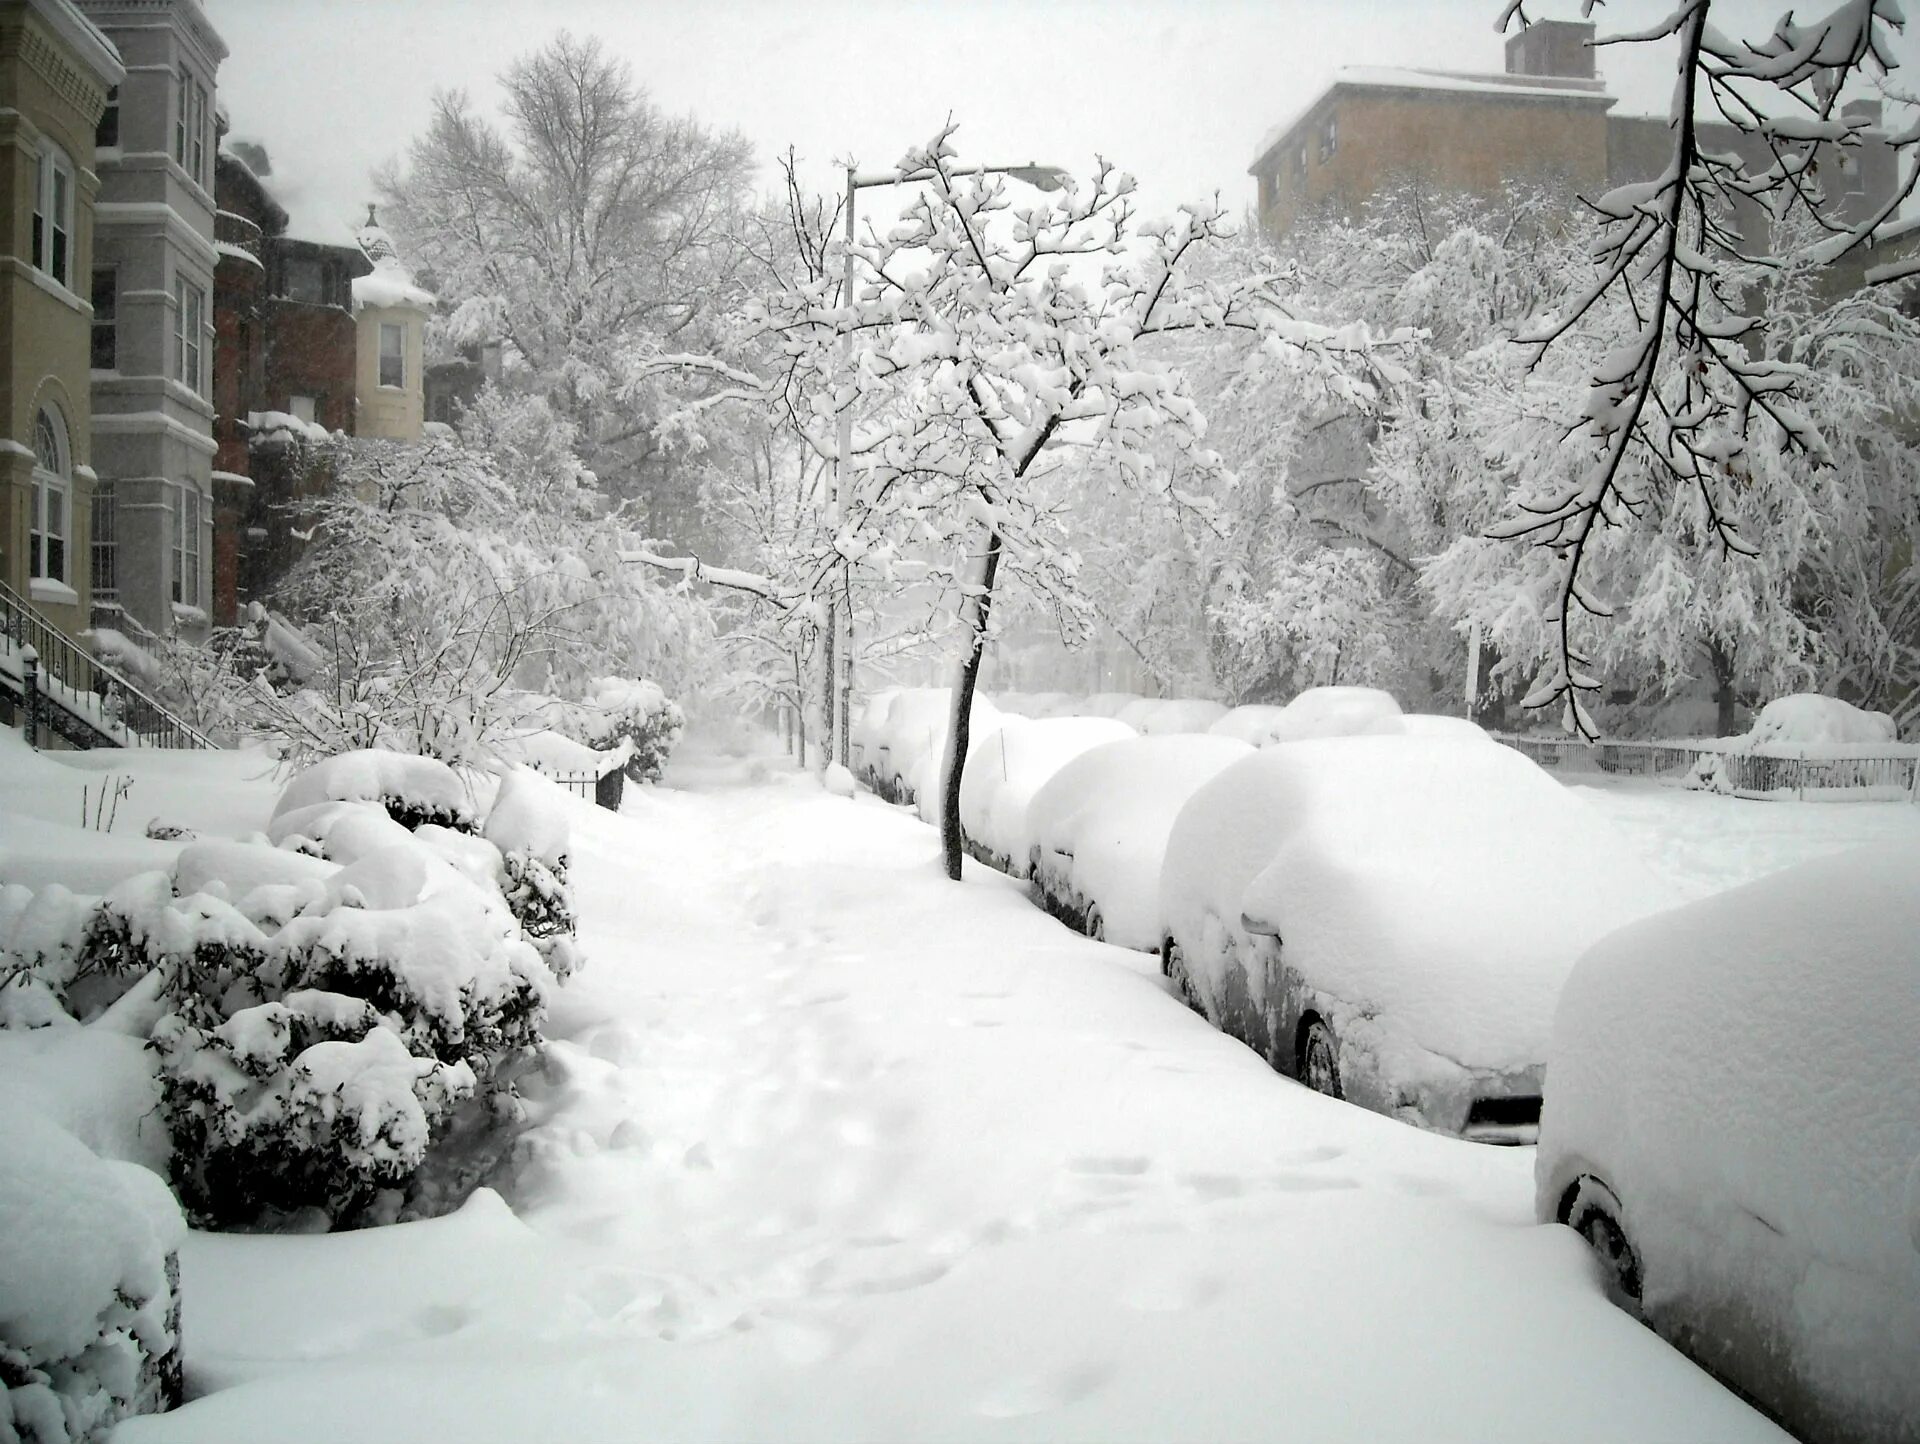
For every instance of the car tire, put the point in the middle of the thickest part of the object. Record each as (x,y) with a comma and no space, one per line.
(1096,924)
(1319,1058)
(1174,966)
(1593,1211)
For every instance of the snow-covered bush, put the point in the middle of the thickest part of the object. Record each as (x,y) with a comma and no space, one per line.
(530,830)
(634,712)
(413,790)
(89,1302)
(67,954)
(311,1062)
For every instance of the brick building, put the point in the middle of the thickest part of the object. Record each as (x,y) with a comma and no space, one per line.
(1548,117)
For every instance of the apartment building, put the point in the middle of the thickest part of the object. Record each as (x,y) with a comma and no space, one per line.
(56,73)
(152,288)
(1546,117)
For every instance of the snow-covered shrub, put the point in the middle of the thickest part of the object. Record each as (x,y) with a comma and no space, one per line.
(89,1302)
(413,790)
(638,713)
(68,954)
(311,1062)
(530,829)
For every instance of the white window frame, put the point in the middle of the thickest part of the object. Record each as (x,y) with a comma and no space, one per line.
(399,358)
(189,335)
(104,560)
(53,214)
(50,515)
(190,127)
(186,544)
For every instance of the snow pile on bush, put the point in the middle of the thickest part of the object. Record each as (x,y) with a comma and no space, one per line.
(621,710)
(1810,720)
(1100,826)
(1005,771)
(89,1312)
(1742,1072)
(334,994)
(413,790)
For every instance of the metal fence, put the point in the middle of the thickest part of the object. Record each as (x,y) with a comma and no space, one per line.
(89,692)
(1867,776)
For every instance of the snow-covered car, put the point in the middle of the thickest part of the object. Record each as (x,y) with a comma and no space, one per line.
(1390,919)
(1156,715)
(1336,712)
(1100,826)
(1733,1123)
(1250,722)
(1007,767)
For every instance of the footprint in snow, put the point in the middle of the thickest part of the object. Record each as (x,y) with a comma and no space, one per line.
(1037,1393)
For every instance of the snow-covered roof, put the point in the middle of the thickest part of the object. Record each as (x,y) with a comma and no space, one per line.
(1388,77)
(391,283)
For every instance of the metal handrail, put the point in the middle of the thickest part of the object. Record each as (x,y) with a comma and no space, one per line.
(67,667)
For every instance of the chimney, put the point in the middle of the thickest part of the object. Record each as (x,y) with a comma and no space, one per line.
(1552,49)
(1867,110)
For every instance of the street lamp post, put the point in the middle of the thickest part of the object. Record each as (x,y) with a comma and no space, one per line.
(840,611)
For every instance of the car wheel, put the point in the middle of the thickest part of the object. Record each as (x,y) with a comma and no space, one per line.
(1096,924)
(1174,966)
(1319,1059)
(1593,1211)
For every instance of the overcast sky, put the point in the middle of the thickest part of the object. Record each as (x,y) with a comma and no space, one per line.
(1178,92)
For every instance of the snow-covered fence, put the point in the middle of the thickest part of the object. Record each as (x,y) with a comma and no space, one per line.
(1839,772)
(1646,759)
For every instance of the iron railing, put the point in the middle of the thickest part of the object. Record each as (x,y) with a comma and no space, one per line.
(1755,774)
(91,694)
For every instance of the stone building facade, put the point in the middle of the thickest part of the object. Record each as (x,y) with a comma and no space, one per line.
(56,73)
(153,267)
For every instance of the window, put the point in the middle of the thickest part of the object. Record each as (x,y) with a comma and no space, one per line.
(106,580)
(53,214)
(106,135)
(1329,138)
(393,364)
(189,323)
(190,127)
(105,334)
(300,408)
(305,281)
(47,526)
(186,546)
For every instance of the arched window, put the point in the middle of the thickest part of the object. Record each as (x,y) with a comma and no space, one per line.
(52,492)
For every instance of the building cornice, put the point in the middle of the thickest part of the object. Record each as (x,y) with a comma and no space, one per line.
(75,61)
(182,16)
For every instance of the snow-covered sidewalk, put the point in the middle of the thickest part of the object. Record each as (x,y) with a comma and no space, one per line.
(831,1148)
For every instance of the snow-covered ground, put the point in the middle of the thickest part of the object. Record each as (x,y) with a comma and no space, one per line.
(830,1148)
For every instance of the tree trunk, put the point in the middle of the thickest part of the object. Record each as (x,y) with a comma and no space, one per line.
(1725,701)
(960,726)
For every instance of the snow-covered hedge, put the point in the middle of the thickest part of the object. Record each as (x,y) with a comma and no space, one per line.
(413,790)
(89,1305)
(338,997)
(638,713)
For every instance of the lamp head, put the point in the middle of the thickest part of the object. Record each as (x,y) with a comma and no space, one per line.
(1040,177)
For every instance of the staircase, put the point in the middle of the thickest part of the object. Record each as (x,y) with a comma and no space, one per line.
(84,700)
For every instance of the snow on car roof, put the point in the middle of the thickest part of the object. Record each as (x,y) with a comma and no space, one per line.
(1112,809)
(1012,764)
(1447,884)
